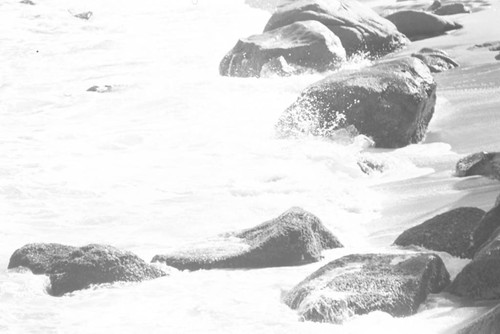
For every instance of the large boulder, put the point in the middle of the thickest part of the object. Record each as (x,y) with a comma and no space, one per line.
(359,28)
(417,24)
(480,279)
(487,323)
(435,59)
(71,268)
(295,237)
(481,163)
(359,284)
(450,232)
(306,45)
(392,102)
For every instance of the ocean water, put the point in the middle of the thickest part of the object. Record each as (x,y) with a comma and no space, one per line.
(175,153)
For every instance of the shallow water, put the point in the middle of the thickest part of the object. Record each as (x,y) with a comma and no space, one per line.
(176,153)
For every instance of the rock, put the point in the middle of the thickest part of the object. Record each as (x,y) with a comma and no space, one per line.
(419,24)
(308,45)
(480,279)
(497,202)
(359,28)
(70,268)
(296,237)
(435,5)
(481,163)
(497,57)
(84,15)
(360,284)
(39,258)
(27,2)
(368,166)
(392,102)
(487,323)
(437,60)
(100,89)
(450,232)
(492,46)
(452,9)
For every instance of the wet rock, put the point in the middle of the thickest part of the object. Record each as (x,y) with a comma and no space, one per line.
(452,9)
(360,284)
(480,279)
(487,323)
(481,163)
(359,28)
(295,237)
(84,15)
(392,102)
(27,2)
(437,60)
(71,268)
(419,24)
(497,57)
(451,232)
(368,166)
(492,46)
(100,89)
(308,45)
(39,258)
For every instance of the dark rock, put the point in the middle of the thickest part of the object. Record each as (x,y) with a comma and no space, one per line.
(487,323)
(497,57)
(39,258)
(480,279)
(70,268)
(435,5)
(100,89)
(419,24)
(492,46)
(437,60)
(452,9)
(84,15)
(450,232)
(360,284)
(296,237)
(392,102)
(368,166)
(307,44)
(359,28)
(27,2)
(481,163)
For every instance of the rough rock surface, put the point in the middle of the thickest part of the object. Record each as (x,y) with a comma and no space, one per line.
(481,163)
(70,268)
(487,323)
(392,102)
(295,237)
(437,60)
(450,232)
(452,9)
(480,279)
(359,284)
(307,45)
(359,28)
(419,24)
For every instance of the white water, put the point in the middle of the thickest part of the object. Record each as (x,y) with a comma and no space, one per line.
(173,154)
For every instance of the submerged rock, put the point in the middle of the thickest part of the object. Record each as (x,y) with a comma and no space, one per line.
(481,163)
(307,45)
(451,232)
(419,24)
(71,268)
(392,102)
(452,9)
(487,323)
(437,60)
(27,2)
(100,89)
(359,28)
(360,284)
(295,237)
(480,279)
(84,15)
